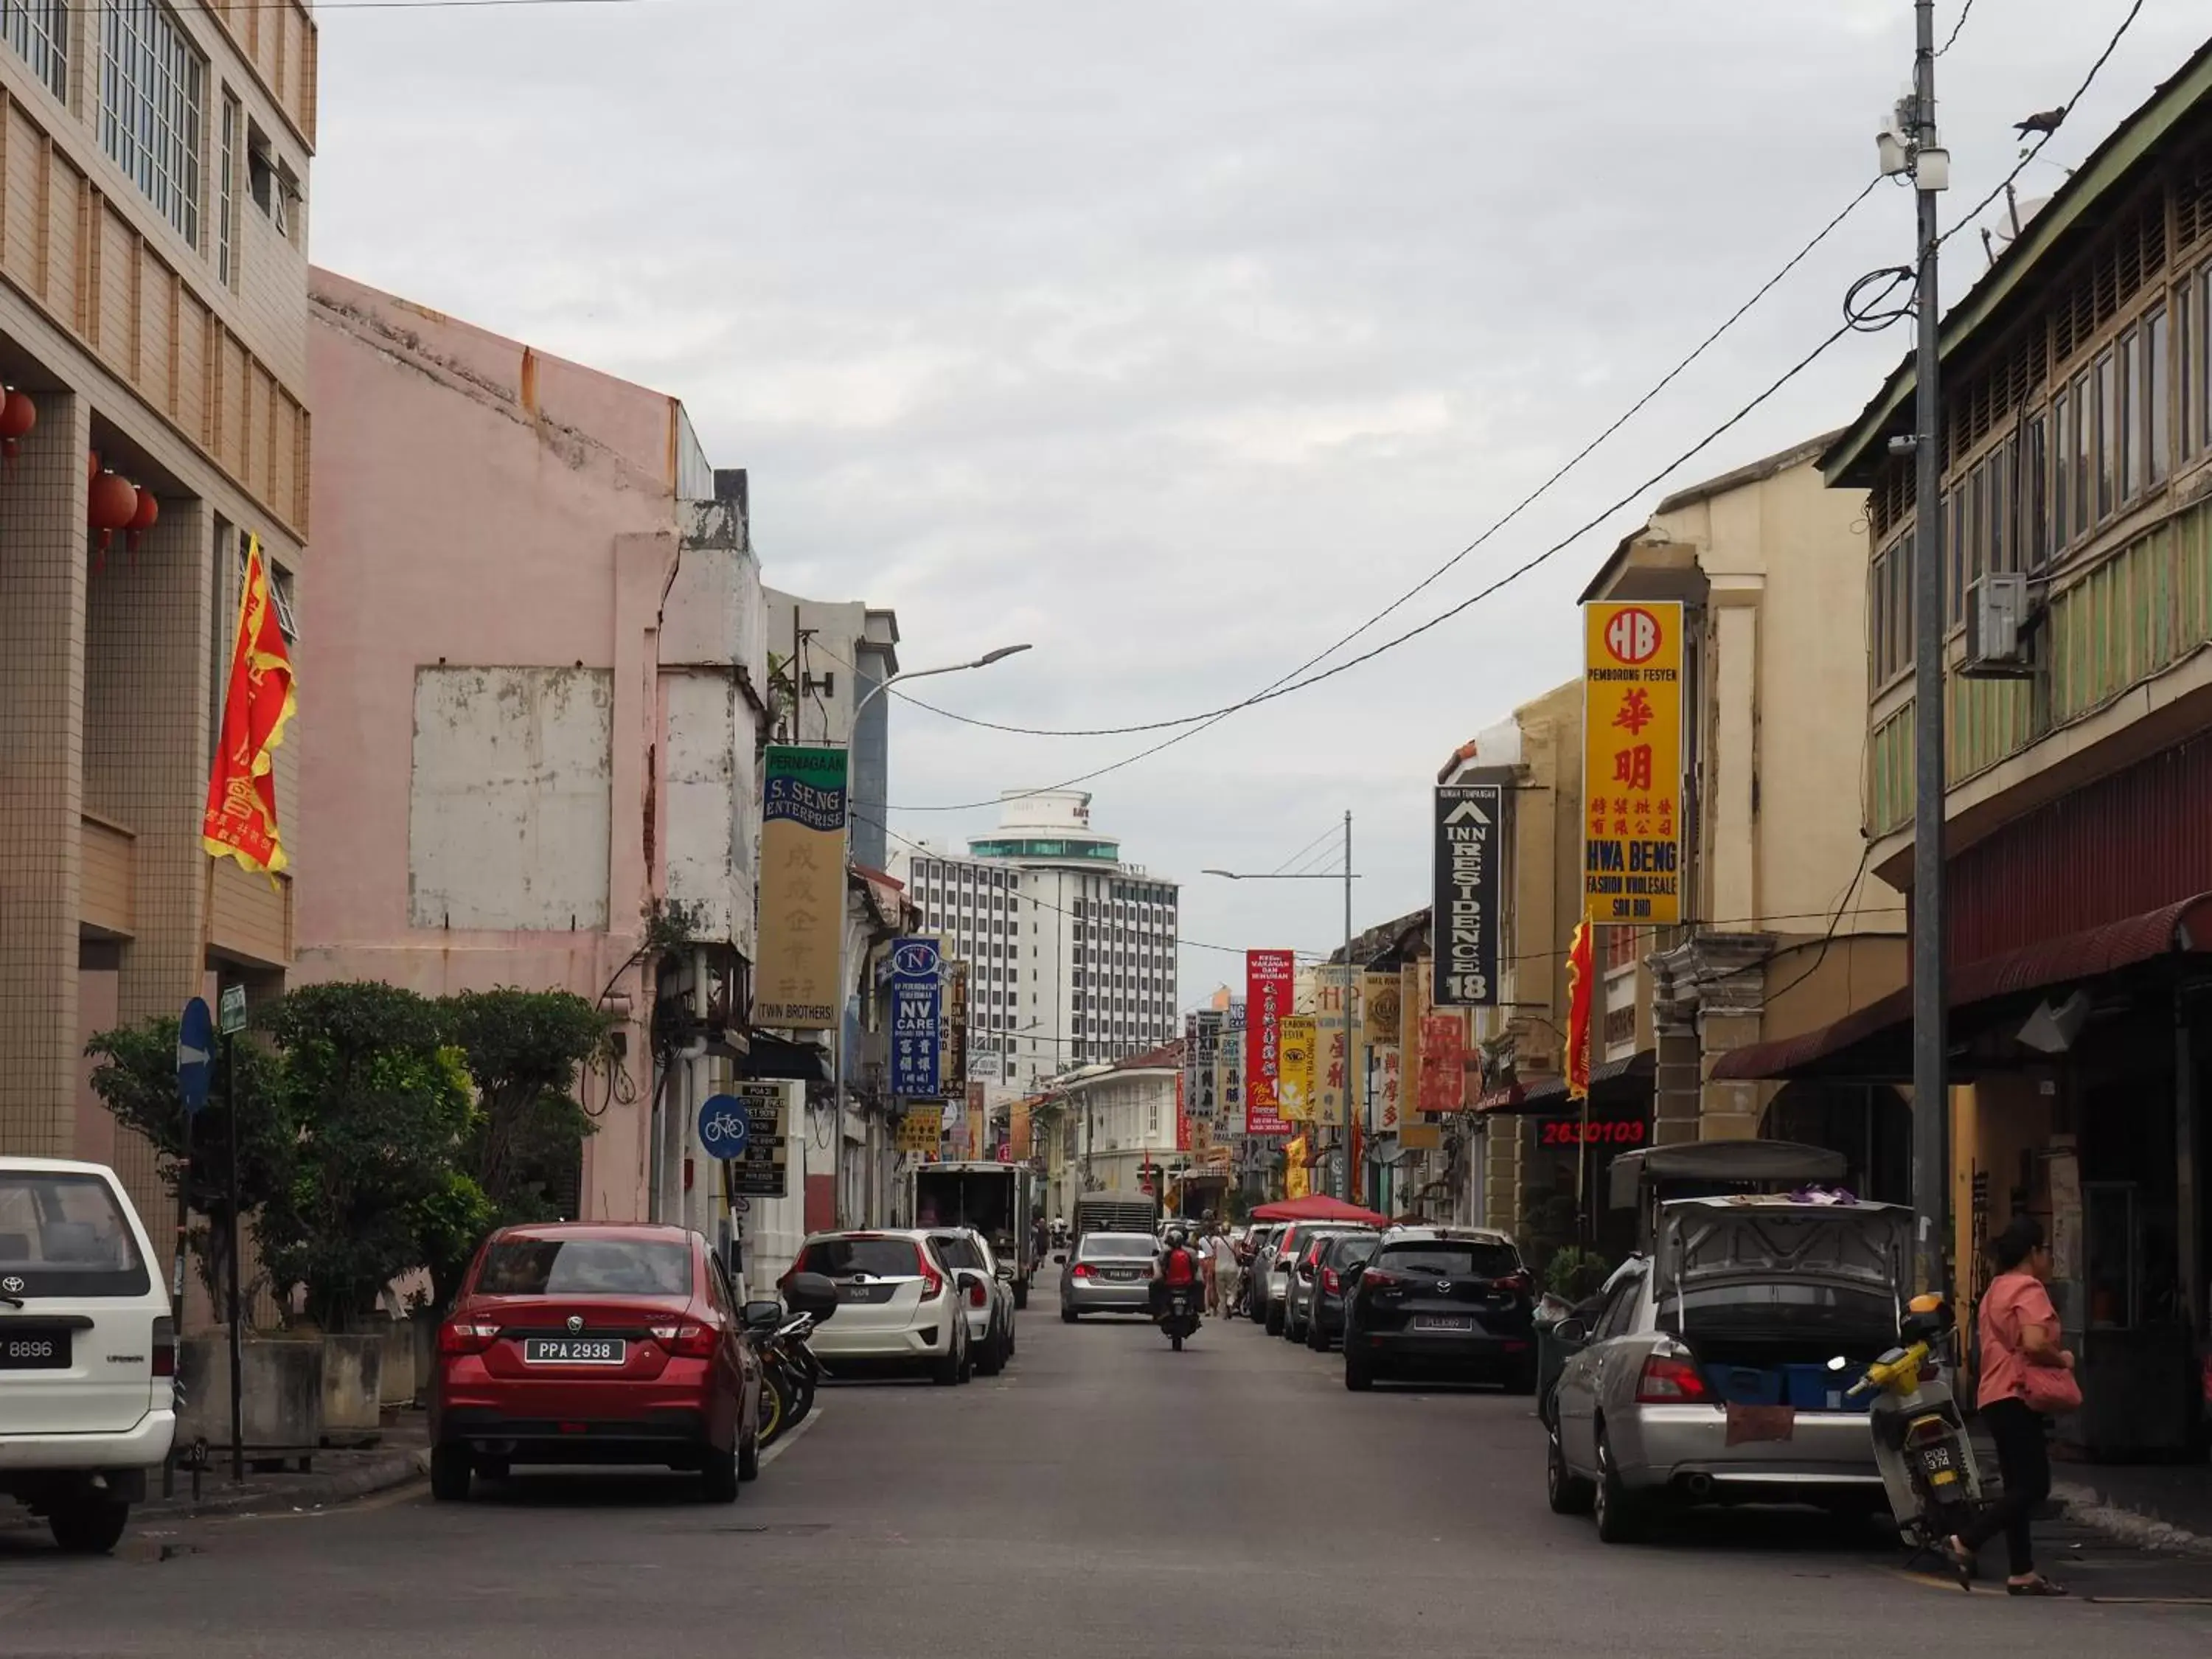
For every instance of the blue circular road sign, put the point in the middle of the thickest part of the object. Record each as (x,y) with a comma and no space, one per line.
(723,1127)
(195,1056)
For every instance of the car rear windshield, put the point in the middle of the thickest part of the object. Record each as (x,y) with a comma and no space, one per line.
(879,1258)
(65,1235)
(1779,1306)
(1353,1248)
(1117,1247)
(586,1267)
(955,1252)
(1466,1258)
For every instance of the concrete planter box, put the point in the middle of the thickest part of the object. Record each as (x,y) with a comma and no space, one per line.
(400,1385)
(281,1392)
(353,1389)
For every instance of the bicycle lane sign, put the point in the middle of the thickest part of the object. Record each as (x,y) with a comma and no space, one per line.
(724,1127)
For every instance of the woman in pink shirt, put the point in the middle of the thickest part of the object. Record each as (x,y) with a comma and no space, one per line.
(2020,1337)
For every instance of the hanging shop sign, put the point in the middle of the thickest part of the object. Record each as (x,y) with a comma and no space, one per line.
(1379,1008)
(1388,1085)
(802,887)
(1268,980)
(1470,819)
(1229,1080)
(1205,1096)
(917,1037)
(1632,762)
(921,1129)
(1444,1062)
(759,1171)
(1294,1077)
(1332,1051)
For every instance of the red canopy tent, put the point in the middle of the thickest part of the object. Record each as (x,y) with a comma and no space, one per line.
(1318,1207)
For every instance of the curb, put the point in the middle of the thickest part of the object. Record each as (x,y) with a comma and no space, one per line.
(309,1491)
(2148,1532)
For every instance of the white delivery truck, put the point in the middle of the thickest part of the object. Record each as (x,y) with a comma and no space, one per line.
(994,1199)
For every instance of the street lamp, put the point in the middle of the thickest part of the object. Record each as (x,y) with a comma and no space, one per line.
(1344,1142)
(844,861)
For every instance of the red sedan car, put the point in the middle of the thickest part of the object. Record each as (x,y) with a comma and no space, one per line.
(578,1342)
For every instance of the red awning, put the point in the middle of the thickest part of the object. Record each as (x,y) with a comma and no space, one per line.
(1319,1206)
(2184,927)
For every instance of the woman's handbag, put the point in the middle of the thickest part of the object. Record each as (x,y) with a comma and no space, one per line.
(2051,1391)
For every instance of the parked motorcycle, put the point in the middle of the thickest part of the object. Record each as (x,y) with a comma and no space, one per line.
(790,1372)
(1179,1313)
(1920,1440)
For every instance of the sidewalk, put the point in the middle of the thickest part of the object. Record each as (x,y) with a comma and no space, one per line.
(2160,1506)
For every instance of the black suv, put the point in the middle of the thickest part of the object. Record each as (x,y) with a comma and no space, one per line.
(1442,1302)
(1325,1317)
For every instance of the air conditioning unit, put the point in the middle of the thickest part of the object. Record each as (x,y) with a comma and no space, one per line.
(1997,646)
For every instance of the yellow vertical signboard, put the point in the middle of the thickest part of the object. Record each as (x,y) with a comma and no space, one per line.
(1294,1083)
(1632,762)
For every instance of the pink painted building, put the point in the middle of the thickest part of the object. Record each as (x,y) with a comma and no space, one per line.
(536,636)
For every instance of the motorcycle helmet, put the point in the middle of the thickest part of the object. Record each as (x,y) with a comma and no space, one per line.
(1176,1238)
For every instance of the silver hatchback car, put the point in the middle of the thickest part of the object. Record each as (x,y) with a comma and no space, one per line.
(1107,1272)
(1717,1371)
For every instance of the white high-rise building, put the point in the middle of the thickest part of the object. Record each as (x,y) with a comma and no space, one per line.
(1072,951)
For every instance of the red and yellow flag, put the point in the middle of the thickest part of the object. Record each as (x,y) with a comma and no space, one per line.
(240,822)
(1578,1013)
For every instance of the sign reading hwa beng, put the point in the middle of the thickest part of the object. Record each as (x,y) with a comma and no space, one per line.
(1469,816)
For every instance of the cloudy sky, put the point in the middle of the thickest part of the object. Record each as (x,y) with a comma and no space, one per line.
(1178,339)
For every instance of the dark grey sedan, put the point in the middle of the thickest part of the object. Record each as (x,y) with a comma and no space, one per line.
(1107,1272)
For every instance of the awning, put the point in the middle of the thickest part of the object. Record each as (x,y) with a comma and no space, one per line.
(1629,1077)
(1318,1206)
(767,1058)
(1828,1050)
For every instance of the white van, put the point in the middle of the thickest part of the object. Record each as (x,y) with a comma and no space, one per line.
(88,1350)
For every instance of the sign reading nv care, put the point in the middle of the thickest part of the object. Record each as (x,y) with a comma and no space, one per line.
(1469,816)
(1632,762)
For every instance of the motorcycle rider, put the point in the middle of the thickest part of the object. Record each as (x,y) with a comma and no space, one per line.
(1176,1266)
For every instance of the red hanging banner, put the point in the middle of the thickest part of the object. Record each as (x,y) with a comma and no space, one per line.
(240,820)
(1578,1013)
(1268,987)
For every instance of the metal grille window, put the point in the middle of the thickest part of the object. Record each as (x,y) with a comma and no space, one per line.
(39,31)
(150,108)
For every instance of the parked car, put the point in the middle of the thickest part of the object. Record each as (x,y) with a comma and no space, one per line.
(1452,1303)
(1107,1272)
(1277,1282)
(1305,1273)
(1324,1320)
(585,1342)
(987,1290)
(87,1351)
(1709,1375)
(1258,1256)
(896,1303)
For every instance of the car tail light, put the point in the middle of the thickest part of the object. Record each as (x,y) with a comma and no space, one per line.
(687,1340)
(933,1283)
(1670,1380)
(1515,1284)
(461,1336)
(1376,1277)
(164,1346)
(1082,1270)
(977,1295)
(1330,1282)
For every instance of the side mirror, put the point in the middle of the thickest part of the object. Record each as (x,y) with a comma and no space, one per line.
(1572,1332)
(1006,1272)
(811,1293)
(764,1316)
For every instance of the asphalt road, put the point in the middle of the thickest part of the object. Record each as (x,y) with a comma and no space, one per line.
(1105,1497)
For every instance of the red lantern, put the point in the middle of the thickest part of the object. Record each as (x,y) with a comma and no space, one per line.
(111,503)
(18,415)
(148,514)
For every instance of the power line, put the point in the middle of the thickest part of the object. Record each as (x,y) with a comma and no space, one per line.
(1965,12)
(1437,621)
(2065,110)
(1515,511)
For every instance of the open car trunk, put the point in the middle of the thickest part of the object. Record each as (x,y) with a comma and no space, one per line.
(1767,1294)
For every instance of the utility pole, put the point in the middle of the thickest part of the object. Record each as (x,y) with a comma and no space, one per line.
(1931,169)
(1344,1095)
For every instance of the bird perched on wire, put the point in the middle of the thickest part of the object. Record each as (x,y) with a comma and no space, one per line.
(2046,122)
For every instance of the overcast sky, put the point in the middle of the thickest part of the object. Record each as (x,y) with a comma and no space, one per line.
(1176,339)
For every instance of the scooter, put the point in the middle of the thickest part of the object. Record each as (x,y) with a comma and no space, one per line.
(1179,1313)
(1920,1440)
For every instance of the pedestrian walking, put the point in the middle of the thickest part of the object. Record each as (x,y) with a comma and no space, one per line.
(2026,1378)
(1220,1273)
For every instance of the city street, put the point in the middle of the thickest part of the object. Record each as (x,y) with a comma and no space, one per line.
(1105,1497)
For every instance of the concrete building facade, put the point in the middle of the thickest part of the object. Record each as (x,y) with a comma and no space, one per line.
(545,675)
(153,189)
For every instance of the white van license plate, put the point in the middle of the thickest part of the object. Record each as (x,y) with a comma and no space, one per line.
(35,1351)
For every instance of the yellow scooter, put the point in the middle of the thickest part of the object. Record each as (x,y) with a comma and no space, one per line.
(1920,1440)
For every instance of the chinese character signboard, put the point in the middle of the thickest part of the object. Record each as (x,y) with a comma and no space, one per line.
(759,1170)
(920,1129)
(1379,1008)
(1444,1062)
(1229,1083)
(1631,761)
(1470,824)
(1332,1052)
(979,1122)
(1389,1083)
(1205,1100)
(916,1040)
(1294,1070)
(802,888)
(954,1070)
(1268,977)
(1017,1132)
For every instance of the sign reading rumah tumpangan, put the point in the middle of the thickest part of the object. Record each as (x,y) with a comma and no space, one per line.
(802,887)
(1631,761)
(1470,819)
(1269,976)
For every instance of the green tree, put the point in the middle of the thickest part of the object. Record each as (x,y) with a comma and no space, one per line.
(137,1081)
(524,1051)
(382,1107)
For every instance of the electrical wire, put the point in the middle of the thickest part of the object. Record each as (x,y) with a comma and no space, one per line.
(2065,110)
(1509,577)
(1515,511)
(1965,12)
